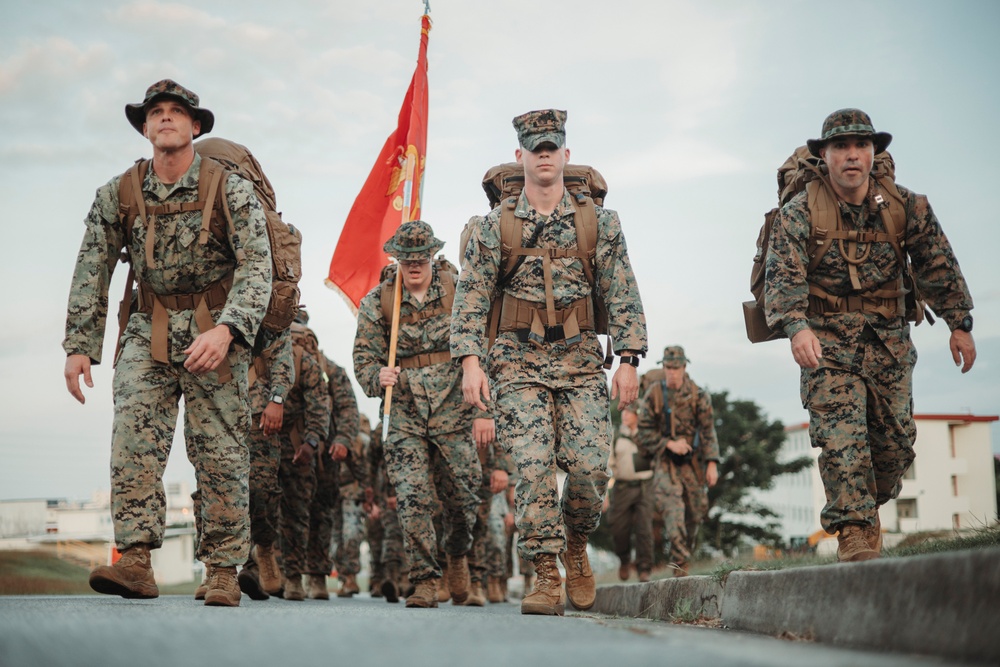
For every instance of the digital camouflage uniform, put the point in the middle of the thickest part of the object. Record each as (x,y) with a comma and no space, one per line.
(277,363)
(496,558)
(679,492)
(335,481)
(307,419)
(147,392)
(386,541)
(860,398)
(428,421)
(551,400)
(484,555)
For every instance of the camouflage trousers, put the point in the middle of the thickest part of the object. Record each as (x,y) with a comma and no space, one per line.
(480,536)
(265,493)
(393,551)
(416,466)
(631,515)
(553,411)
(348,533)
(376,535)
(216,421)
(862,418)
(496,560)
(298,483)
(322,514)
(682,500)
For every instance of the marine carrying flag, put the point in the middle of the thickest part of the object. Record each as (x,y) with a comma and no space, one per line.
(389,197)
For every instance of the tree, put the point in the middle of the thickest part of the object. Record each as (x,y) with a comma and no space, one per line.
(748,446)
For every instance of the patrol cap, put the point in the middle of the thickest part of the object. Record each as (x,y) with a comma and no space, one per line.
(673,357)
(413,240)
(536,127)
(136,113)
(849,123)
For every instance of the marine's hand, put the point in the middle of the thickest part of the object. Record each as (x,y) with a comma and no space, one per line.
(475,386)
(806,349)
(208,350)
(338,452)
(484,432)
(679,447)
(272,418)
(373,511)
(77,365)
(963,349)
(498,481)
(625,385)
(712,473)
(304,454)
(388,377)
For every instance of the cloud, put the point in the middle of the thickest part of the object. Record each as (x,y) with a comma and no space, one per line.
(676,158)
(47,68)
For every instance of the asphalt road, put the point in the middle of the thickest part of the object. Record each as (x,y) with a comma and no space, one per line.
(175,630)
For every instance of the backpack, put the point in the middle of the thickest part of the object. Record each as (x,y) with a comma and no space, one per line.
(304,340)
(286,240)
(219,158)
(503,185)
(446,272)
(803,171)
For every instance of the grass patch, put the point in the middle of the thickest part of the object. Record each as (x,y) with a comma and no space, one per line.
(40,573)
(684,611)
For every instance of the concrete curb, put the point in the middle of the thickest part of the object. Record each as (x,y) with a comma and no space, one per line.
(940,604)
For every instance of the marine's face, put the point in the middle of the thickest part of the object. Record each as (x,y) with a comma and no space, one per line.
(169,125)
(675,376)
(850,162)
(416,273)
(629,419)
(544,165)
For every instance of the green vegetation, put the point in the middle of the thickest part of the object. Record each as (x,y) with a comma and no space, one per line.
(43,573)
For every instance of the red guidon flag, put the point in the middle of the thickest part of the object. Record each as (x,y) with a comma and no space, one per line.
(389,197)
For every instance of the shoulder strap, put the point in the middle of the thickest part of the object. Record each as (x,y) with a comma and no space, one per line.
(585,219)
(824,216)
(511,228)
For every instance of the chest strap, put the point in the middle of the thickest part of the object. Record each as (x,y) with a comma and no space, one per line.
(422,360)
(885,302)
(201,302)
(541,323)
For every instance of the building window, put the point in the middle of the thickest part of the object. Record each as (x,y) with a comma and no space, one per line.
(954,486)
(906,508)
(911,472)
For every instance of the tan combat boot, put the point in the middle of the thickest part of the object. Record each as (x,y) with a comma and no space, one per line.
(443,592)
(680,568)
(476,596)
(293,588)
(199,593)
(581,589)
(249,581)
(624,569)
(853,543)
(546,598)
(425,594)
(316,583)
(223,589)
(529,585)
(349,586)
(457,575)
(494,593)
(270,574)
(131,577)
(873,535)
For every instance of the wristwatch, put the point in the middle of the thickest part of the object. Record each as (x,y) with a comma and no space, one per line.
(965,324)
(313,444)
(631,359)
(277,399)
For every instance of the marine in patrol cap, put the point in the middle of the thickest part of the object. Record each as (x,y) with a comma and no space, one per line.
(673,357)
(136,113)
(413,240)
(536,127)
(849,123)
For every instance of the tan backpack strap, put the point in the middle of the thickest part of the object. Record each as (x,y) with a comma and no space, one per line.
(824,216)
(511,228)
(124,311)
(208,185)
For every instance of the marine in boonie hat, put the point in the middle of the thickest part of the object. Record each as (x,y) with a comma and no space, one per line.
(537,127)
(413,240)
(849,123)
(673,357)
(136,113)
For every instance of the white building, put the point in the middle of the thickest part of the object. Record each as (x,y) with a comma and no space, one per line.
(84,531)
(950,486)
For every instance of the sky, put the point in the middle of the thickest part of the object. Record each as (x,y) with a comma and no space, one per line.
(686,108)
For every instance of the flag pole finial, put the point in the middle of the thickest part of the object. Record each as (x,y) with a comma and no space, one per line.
(427,6)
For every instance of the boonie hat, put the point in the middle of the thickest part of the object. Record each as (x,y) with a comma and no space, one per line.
(536,127)
(413,240)
(849,123)
(136,113)
(673,357)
